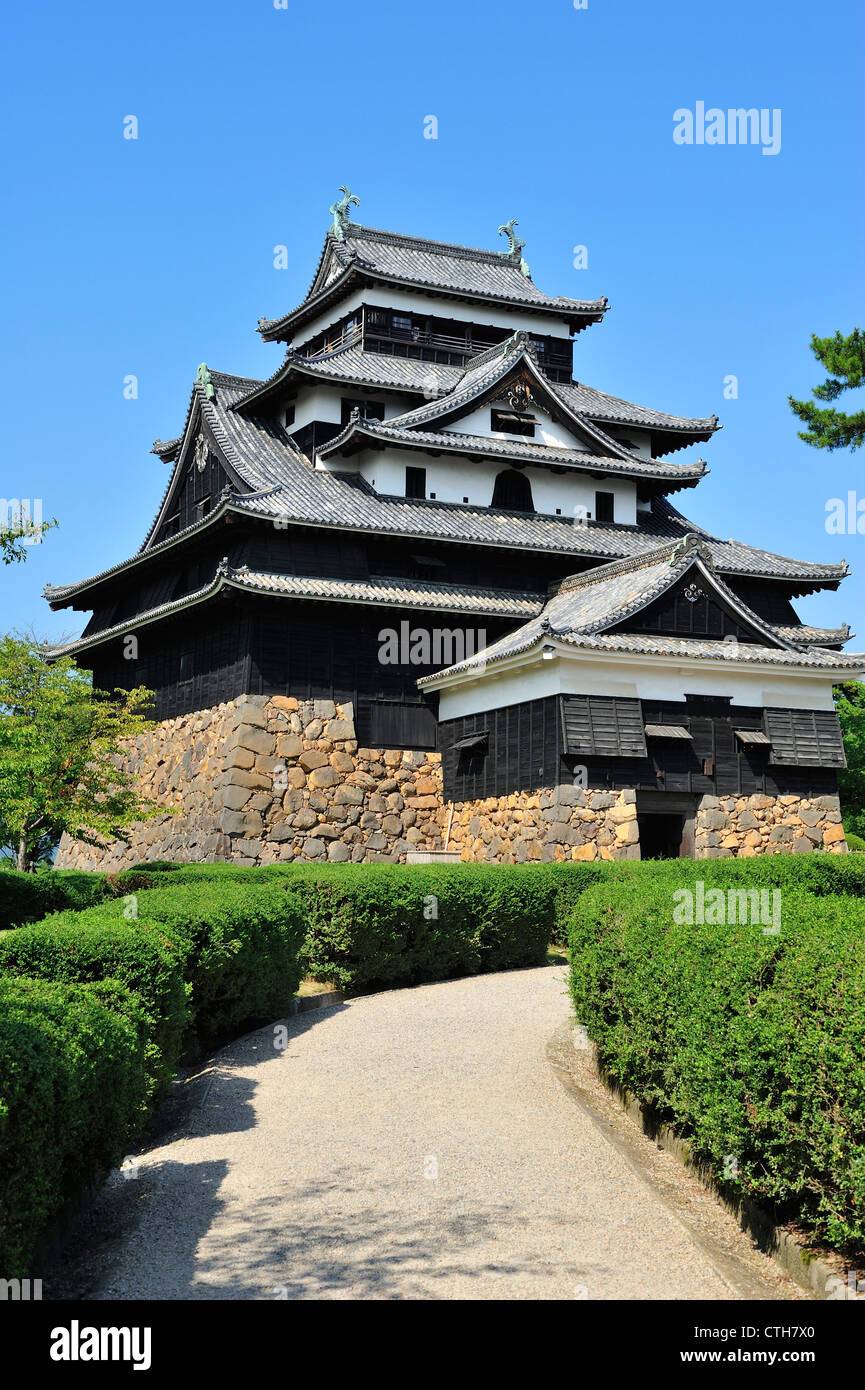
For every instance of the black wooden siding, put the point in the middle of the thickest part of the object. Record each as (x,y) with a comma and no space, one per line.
(523,751)
(700,617)
(602,727)
(197,487)
(805,738)
(521,758)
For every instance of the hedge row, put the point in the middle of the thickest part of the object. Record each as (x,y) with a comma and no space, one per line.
(382,924)
(72,1091)
(748,1043)
(30,897)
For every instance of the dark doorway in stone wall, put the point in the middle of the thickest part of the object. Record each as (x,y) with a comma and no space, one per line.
(667,824)
(661,836)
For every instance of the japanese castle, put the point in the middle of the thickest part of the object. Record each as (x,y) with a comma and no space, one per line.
(422,536)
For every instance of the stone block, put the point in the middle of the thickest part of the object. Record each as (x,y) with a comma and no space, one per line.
(323,777)
(235,797)
(255,740)
(289,745)
(346,795)
(311,758)
(338,729)
(240,822)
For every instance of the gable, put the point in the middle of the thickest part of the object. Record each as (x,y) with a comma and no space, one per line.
(535,424)
(194,493)
(691,608)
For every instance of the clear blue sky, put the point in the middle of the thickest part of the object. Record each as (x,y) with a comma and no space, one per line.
(146,257)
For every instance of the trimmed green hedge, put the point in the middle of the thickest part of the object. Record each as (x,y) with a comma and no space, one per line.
(30,897)
(237,944)
(72,1089)
(750,1044)
(383,924)
(139,956)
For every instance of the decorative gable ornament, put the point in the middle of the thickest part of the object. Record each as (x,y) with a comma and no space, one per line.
(201,453)
(341,212)
(520,396)
(692,593)
(515,246)
(205,380)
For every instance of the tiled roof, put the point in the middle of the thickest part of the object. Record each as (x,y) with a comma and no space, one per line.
(354,367)
(285,486)
(584,608)
(805,634)
(377,590)
(411,593)
(526,451)
(614,411)
(494,368)
(465,271)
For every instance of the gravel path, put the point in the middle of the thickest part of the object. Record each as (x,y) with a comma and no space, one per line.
(414,1144)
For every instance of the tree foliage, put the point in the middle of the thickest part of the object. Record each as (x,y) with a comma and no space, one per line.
(60,746)
(850,704)
(17,531)
(828,428)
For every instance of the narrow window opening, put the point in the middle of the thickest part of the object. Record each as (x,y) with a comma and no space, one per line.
(604,506)
(415,482)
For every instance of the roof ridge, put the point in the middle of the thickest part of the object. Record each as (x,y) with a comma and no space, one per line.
(359,230)
(692,543)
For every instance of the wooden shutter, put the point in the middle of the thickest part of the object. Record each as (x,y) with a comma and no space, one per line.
(602,727)
(805,738)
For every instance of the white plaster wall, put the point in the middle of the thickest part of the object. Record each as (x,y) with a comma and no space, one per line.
(547,431)
(325,403)
(647,678)
(452,479)
(640,438)
(493,315)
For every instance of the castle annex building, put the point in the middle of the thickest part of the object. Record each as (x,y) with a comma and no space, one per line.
(421,587)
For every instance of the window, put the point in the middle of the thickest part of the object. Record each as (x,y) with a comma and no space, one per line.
(369,410)
(509,422)
(513,491)
(186,666)
(415,482)
(604,506)
(289,415)
(204,505)
(401,324)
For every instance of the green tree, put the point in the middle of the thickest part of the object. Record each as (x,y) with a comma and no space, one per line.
(850,704)
(844,358)
(17,531)
(60,749)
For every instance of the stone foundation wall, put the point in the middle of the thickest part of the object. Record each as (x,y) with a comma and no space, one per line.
(552,825)
(264,779)
(739,826)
